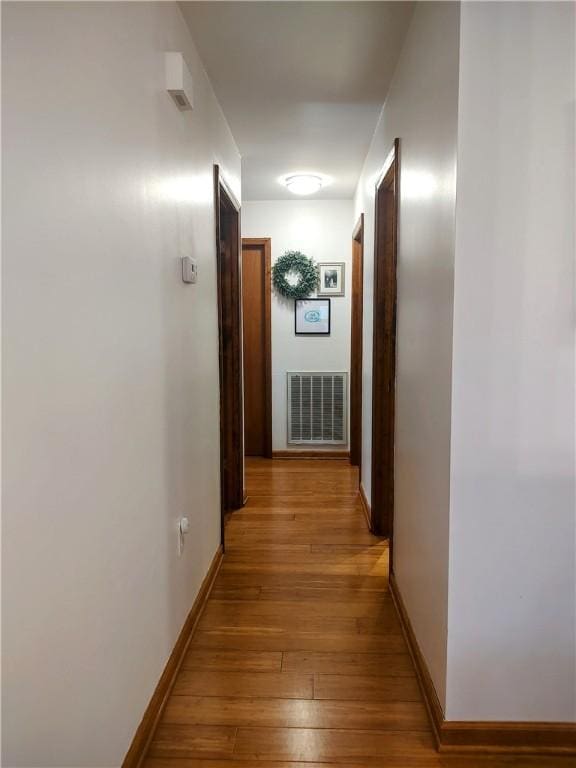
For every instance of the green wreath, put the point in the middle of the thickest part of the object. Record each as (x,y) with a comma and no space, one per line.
(295,263)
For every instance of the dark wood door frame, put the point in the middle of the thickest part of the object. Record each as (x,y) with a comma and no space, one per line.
(266,244)
(384,349)
(227,216)
(356,344)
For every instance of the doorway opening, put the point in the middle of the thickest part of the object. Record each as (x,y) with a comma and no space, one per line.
(230,347)
(356,344)
(257,341)
(384,346)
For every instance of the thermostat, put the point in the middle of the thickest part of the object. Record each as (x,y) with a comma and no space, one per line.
(189,269)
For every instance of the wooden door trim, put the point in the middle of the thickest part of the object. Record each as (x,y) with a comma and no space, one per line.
(226,188)
(356,343)
(231,391)
(266,244)
(384,353)
(391,159)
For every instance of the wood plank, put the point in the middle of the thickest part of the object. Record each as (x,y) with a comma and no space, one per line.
(234,661)
(298,554)
(366,688)
(296,713)
(318,566)
(378,625)
(331,481)
(334,516)
(193,741)
(210,682)
(376,550)
(433,760)
(261,538)
(288,492)
(289,640)
(179,762)
(229,592)
(228,610)
(235,619)
(279,568)
(343,746)
(243,551)
(367,664)
(309,501)
(249,515)
(313,528)
(323,595)
(358,582)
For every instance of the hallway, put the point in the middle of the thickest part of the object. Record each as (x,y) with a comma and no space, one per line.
(239,232)
(299,657)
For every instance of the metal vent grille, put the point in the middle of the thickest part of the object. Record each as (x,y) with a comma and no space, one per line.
(317,410)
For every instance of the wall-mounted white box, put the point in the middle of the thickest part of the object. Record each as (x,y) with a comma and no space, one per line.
(189,269)
(179,81)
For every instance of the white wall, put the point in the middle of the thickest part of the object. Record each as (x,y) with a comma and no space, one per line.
(421,109)
(322,229)
(512,536)
(110,369)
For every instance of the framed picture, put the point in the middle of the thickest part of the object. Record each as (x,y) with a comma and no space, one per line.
(332,279)
(312,317)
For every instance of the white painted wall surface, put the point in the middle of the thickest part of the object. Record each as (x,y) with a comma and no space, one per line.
(511,651)
(421,109)
(110,369)
(322,229)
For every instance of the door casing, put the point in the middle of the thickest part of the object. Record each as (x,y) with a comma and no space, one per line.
(227,217)
(384,346)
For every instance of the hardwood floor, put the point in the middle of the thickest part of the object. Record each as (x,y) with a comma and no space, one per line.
(298,659)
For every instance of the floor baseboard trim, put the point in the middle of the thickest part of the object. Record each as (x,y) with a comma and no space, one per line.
(554,739)
(528,738)
(311,455)
(435,713)
(145,731)
(365,507)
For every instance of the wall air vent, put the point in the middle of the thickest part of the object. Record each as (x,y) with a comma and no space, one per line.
(317,407)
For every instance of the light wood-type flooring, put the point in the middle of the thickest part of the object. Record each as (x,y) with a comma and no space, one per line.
(298,659)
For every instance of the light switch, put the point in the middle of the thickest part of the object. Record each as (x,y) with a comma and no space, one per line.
(189,269)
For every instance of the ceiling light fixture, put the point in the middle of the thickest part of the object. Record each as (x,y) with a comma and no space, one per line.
(303,183)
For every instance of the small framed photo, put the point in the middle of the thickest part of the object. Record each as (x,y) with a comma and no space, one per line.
(332,279)
(312,317)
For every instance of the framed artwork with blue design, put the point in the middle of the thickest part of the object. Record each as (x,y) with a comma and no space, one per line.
(312,317)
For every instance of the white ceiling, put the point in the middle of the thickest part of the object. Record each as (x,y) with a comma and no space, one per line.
(301,83)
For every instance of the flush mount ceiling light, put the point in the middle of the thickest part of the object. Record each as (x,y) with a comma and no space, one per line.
(303,183)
